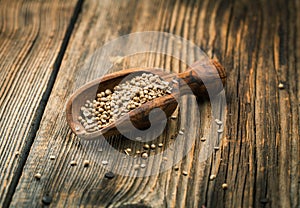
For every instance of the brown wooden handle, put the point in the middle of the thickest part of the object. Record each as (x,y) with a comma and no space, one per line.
(201,78)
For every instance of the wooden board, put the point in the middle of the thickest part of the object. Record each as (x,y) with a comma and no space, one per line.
(256,41)
(32,39)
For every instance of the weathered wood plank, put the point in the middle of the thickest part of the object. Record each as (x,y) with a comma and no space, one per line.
(31,37)
(259,156)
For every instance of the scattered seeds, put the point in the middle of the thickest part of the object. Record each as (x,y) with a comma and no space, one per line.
(104,162)
(153,146)
(86,163)
(146,146)
(281,85)
(212,177)
(143,165)
(47,199)
(224,186)
(38,176)
(185,173)
(73,163)
(52,157)
(109,175)
(160,145)
(145,155)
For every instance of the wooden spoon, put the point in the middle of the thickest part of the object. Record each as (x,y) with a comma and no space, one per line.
(199,79)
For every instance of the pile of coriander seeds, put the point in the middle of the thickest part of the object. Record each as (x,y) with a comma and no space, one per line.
(111,105)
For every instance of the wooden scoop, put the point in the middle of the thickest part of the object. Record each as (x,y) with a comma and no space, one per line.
(199,79)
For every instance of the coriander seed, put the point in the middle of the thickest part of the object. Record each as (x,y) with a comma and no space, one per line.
(38,176)
(145,155)
(146,146)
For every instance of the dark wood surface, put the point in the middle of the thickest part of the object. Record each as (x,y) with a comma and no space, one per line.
(44,46)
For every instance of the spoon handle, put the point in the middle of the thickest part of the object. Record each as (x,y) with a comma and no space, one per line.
(201,78)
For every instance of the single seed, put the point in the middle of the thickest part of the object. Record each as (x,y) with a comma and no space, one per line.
(128,150)
(77,128)
(176,168)
(109,175)
(38,176)
(203,139)
(281,85)
(17,153)
(185,173)
(224,186)
(165,158)
(145,155)
(153,146)
(143,165)
(86,163)
(73,163)
(146,146)
(136,166)
(173,117)
(180,132)
(104,162)
(218,122)
(212,177)
(52,157)
(160,144)
(108,92)
(47,199)
(138,152)
(220,131)
(216,148)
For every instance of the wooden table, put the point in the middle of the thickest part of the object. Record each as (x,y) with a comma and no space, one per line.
(44,45)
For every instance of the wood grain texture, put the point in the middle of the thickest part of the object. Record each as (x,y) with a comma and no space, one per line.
(256,41)
(31,37)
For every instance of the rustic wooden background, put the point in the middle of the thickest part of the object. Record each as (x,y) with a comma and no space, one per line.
(45,43)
